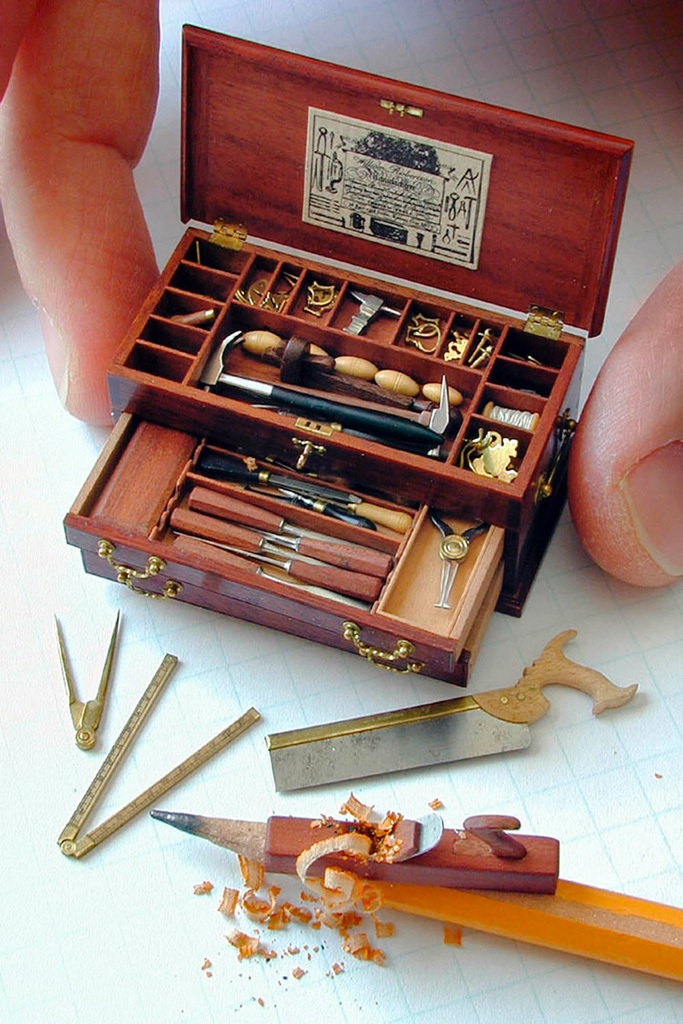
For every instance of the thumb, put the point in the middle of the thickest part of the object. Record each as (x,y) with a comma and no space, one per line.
(73,124)
(626,466)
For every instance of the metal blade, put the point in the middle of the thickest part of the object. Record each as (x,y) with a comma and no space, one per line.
(394,741)
(314,489)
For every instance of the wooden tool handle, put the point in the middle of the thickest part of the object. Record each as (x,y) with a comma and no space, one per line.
(215,557)
(347,556)
(352,584)
(213,503)
(393,520)
(525,702)
(211,528)
(355,557)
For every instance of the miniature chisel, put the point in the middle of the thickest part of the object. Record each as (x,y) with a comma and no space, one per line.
(249,544)
(225,467)
(451,730)
(356,557)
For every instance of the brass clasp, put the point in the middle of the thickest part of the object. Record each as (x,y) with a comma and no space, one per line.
(383,659)
(565,431)
(308,447)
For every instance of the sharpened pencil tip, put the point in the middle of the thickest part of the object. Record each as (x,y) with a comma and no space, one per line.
(247,838)
(185,822)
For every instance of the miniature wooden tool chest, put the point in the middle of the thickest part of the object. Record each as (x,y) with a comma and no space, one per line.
(330,418)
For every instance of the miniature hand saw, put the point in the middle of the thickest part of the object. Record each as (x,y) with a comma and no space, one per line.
(71,843)
(437,733)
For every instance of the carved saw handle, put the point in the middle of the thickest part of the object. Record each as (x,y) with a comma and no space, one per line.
(525,702)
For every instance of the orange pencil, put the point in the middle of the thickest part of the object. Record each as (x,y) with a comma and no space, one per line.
(578,919)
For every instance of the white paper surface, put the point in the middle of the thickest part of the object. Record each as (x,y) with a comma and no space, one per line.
(120,935)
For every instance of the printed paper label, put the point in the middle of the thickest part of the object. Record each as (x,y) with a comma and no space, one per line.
(395,188)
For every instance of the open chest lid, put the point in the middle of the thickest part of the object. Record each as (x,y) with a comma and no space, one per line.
(463,197)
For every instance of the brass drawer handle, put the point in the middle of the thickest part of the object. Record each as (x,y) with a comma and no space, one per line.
(383,659)
(126,574)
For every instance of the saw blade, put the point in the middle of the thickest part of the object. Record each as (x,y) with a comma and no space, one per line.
(393,741)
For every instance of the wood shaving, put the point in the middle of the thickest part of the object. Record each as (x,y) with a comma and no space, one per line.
(256,907)
(203,888)
(248,946)
(356,809)
(228,903)
(252,872)
(358,946)
(383,929)
(436,804)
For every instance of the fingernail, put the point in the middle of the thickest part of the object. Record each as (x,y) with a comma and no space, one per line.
(653,489)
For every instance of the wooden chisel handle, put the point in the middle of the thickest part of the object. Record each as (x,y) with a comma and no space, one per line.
(356,557)
(352,584)
(217,557)
(214,503)
(343,581)
(211,528)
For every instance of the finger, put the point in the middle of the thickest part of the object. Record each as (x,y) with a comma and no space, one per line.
(626,467)
(73,125)
(14,17)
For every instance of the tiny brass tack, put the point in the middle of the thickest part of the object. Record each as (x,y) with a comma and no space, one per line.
(256,291)
(483,350)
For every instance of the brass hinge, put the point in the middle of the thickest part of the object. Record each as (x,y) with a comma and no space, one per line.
(549,323)
(228,235)
(401,108)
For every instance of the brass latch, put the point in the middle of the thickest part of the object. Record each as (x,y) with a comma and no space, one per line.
(565,431)
(401,108)
(549,323)
(228,235)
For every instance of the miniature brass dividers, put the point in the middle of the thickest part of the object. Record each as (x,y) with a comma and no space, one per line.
(127,574)
(383,659)
(86,715)
(70,843)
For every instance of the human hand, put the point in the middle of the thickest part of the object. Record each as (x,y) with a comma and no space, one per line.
(626,466)
(73,124)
